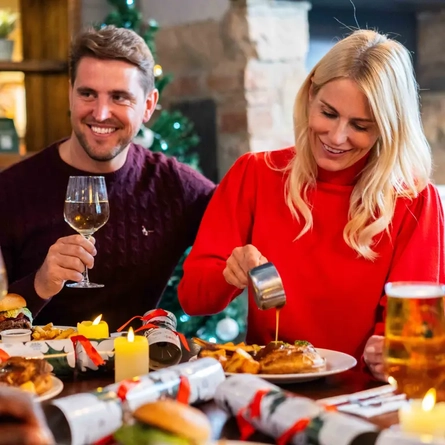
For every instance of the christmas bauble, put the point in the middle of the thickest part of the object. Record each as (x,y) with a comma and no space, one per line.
(227,329)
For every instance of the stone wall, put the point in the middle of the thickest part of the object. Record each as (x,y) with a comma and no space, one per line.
(251,64)
(94,11)
(431,77)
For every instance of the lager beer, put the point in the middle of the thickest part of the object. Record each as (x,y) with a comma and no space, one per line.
(414,352)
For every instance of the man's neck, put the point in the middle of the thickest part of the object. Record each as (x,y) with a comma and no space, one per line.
(79,159)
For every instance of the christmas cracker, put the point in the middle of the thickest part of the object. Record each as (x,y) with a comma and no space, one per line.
(90,417)
(285,417)
(64,356)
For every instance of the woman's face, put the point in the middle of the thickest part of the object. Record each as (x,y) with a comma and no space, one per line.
(341,127)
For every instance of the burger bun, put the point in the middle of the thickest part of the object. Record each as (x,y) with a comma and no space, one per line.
(11,302)
(176,418)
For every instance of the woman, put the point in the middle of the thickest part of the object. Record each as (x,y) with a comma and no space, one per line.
(346,210)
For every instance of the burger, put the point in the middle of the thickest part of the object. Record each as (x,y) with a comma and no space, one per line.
(14,314)
(166,422)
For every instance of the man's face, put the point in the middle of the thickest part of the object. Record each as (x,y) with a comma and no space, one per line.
(108,106)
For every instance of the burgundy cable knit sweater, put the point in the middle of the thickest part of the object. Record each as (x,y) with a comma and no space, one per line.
(156,205)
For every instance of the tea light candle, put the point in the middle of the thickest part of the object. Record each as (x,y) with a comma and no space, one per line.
(423,416)
(130,356)
(93,329)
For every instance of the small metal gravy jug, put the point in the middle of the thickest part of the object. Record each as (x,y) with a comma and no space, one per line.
(266,286)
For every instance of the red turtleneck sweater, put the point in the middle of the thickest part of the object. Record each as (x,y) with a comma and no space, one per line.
(334,298)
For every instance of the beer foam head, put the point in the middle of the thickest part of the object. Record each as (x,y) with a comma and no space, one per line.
(414,290)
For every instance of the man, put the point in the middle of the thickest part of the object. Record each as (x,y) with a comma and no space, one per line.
(156,203)
(22,421)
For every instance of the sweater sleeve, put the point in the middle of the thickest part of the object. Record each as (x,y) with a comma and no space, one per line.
(9,243)
(419,246)
(25,288)
(227,223)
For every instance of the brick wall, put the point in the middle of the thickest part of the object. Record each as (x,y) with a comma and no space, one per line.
(431,77)
(251,63)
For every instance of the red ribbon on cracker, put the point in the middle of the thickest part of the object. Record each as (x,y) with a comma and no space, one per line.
(3,356)
(253,409)
(155,313)
(183,390)
(154,326)
(89,349)
(299,426)
(125,386)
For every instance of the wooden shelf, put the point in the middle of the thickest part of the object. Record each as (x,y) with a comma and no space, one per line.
(35,66)
(7,160)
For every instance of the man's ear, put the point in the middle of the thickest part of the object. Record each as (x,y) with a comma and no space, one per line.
(70,94)
(150,104)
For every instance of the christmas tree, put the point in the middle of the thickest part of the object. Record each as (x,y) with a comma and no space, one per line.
(173,134)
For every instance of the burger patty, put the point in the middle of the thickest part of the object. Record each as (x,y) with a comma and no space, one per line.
(15,323)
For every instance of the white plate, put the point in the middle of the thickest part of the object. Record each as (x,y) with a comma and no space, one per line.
(56,327)
(53,392)
(336,362)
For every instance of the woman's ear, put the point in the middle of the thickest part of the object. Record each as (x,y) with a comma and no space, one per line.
(311,92)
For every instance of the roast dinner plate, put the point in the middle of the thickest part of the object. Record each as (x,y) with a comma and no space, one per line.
(336,362)
(55,390)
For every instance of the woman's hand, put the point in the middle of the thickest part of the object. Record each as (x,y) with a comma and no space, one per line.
(240,262)
(373,356)
(21,419)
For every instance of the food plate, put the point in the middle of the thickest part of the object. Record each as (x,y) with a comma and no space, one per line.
(336,362)
(55,390)
(56,326)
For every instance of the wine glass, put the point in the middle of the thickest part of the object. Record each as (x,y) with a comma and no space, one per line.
(86,211)
(3,278)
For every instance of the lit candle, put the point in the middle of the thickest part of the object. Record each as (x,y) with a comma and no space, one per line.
(93,329)
(423,416)
(130,356)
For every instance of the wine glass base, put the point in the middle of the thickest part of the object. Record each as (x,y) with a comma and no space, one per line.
(85,285)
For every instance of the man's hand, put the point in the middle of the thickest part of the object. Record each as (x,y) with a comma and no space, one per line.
(373,356)
(240,262)
(66,260)
(21,419)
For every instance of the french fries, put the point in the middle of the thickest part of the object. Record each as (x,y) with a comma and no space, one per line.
(49,332)
(233,358)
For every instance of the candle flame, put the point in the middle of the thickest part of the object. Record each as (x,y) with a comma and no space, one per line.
(97,320)
(429,400)
(130,336)
(392,381)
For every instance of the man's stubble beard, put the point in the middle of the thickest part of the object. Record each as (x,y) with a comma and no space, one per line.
(90,152)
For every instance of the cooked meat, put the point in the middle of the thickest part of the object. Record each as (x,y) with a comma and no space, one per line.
(15,323)
(18,370)
(283,358)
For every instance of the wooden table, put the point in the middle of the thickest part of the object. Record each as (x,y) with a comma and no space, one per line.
(225,427)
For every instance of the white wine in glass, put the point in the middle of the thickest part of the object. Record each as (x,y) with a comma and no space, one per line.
(86,211)
(3,278)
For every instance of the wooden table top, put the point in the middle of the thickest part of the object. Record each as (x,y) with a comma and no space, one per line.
(225,427)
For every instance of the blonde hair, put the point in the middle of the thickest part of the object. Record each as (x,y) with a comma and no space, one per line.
(399,164)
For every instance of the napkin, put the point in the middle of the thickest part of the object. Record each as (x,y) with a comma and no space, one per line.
(369,403)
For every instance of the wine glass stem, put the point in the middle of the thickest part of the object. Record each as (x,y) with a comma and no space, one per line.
(86,278)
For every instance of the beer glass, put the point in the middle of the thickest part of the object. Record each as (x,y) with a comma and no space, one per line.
(414,351)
